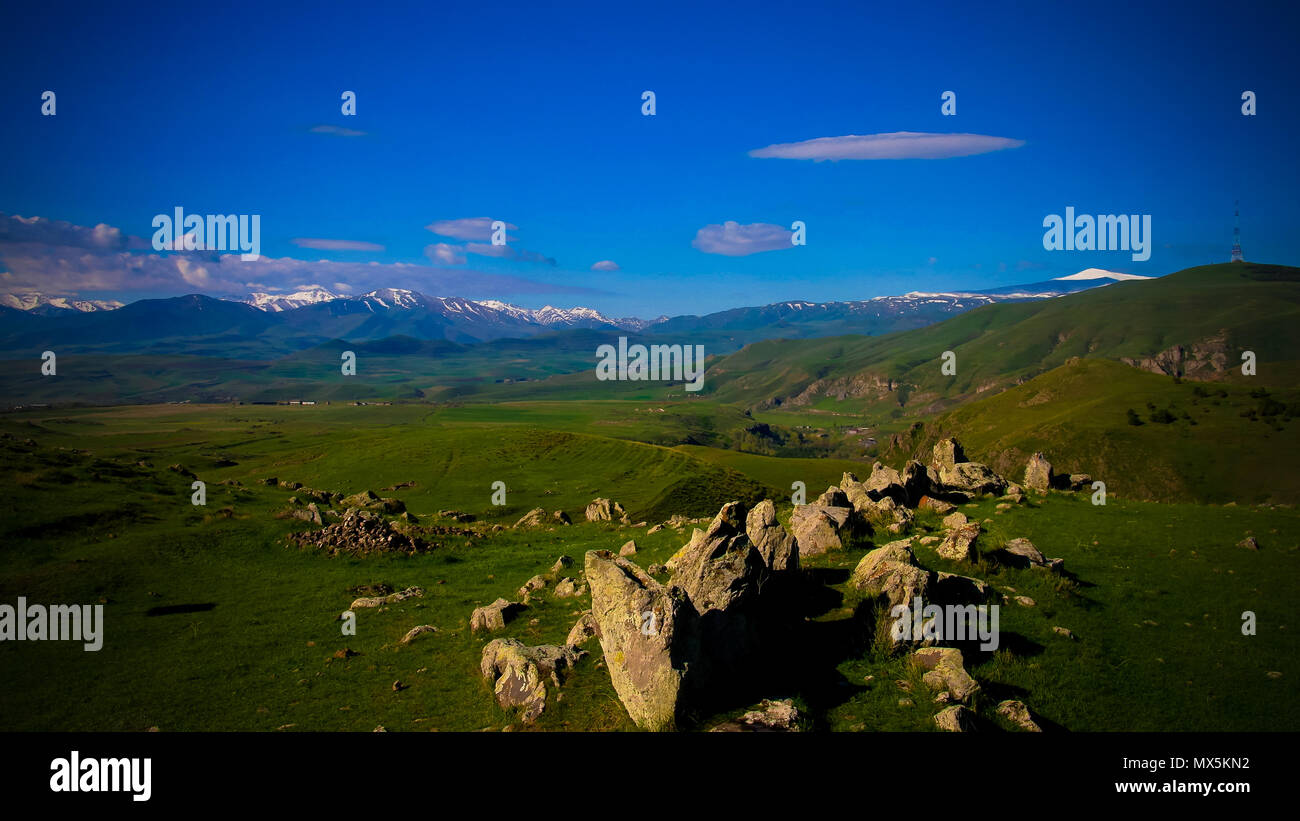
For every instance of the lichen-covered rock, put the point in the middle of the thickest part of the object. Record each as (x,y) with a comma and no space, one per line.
(638,622)
(947,454)
(628,549)
(945,672)
(891,572)
(392,598)
(959,544)
(519,673)
(583,630)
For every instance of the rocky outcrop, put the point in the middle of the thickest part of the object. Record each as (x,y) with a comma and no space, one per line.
(1204,360)
(359,533)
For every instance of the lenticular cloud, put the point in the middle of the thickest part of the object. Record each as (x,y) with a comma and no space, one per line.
(900,145)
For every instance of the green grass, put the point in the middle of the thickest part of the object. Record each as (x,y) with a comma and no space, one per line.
(83,523)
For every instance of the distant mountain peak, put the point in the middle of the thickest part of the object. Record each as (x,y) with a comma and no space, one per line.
(307,295)
(1098,273)
(32,301)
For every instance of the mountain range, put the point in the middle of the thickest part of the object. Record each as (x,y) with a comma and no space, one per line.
(262,325)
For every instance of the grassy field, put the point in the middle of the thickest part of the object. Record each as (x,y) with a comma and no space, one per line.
(247,636)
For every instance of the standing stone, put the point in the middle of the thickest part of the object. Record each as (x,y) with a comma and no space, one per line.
(1038,474)
(947,455)
(637,619)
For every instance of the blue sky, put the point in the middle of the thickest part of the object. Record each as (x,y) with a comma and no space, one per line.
(532,115)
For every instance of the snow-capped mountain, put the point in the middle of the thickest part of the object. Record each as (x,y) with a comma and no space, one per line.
(551,316)
(32,301)
(287,302)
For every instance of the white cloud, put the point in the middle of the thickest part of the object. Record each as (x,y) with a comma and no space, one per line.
(605,265)
(899,145)
(336,244)
(735,240)
(467,228)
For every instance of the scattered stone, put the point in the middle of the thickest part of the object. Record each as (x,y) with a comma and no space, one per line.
(417,631)
(561,517)
(583,630)
(604,510)
(770,717)
(945,671)
(536,583)
(1025,601)
(567,588)
(937,505)
(494,616)
(1249,543)
(1064,631)
(391,598)
(628,549)
(533,518)
(956,719)
(562,563)
(954,519)
(1022,553)
(1018,714)
(891,572)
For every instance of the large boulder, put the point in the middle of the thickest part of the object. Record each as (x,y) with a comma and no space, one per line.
(817,528)
(945,672)
(956,719)
(640,625)
(771,717)
(885,481)
(778,548)
(891,572)
(833,497)
(519,673)
(1038,474)
(971,479)
(1022,553)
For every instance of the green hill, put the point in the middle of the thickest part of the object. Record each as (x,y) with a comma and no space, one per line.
(1214,312)
(1187,441)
